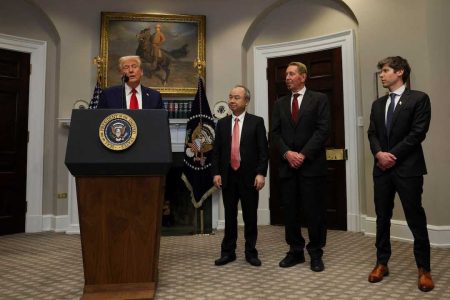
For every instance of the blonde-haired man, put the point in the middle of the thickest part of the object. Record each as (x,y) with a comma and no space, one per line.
(300,129)
(131,95)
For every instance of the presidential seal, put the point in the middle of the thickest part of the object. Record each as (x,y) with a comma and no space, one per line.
(221,110)
(117,131)
(199,142)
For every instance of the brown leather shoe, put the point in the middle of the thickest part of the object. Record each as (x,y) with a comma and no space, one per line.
(378,273)
(425,282)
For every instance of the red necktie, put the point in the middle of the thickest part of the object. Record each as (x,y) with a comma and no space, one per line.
(294,110)
(133,100)
(235,163)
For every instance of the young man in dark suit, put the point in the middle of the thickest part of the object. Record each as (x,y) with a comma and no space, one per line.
(398,125)
(132,95)
(300,129)
(239,166)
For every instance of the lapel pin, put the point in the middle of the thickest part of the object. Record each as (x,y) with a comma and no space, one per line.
(147,94)
(400,103)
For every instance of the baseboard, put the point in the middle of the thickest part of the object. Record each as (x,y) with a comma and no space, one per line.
(72,229)
(33,223)
(55,223)
(353,222)
(220,224)
(263,219)
(264,216)
(439,235)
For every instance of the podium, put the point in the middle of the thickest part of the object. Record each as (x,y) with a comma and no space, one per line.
(120,195)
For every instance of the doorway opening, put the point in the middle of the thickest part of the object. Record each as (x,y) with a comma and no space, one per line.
(346,41)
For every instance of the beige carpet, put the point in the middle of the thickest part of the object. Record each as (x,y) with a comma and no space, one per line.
(49,266)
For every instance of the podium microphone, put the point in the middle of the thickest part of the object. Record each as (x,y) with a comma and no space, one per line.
(124,79)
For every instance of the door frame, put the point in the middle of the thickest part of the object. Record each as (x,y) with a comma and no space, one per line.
(352,122)
(36,107)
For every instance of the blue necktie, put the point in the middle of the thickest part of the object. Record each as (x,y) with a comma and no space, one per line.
(390,113)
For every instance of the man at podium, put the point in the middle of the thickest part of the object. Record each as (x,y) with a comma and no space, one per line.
(131,94)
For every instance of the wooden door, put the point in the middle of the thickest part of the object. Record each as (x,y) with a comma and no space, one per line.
(14,87)
(324,75)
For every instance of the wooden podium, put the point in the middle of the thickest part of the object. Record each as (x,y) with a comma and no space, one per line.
(120,196)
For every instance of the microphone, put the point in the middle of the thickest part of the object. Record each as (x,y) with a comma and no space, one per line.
(124,79)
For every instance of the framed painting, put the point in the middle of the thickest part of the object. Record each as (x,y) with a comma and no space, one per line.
(168,45)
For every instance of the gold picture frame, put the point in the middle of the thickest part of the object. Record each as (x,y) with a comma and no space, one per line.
(169,64)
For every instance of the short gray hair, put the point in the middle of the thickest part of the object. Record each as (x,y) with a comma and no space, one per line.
(247,94)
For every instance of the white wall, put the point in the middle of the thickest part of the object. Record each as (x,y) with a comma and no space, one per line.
(415,29)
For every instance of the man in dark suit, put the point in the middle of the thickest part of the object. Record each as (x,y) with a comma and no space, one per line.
(300,128)
(239,166)
(131,95)
(398,125)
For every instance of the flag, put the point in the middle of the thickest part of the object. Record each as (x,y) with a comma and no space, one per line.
(198,149)
(96,96)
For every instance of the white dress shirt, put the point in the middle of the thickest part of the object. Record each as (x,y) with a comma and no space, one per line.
(398,92)
(299,98)
(128,94)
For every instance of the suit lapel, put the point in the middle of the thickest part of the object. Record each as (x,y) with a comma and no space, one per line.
(227,130)
(306,102)
(145,97)
(245,127)
(400,106)
(382,115)
(286,106)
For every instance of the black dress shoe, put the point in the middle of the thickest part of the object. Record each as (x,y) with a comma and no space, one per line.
(292,259)
(224,259)
(317,265)
(253,260)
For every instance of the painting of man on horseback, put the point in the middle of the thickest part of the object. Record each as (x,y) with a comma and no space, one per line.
(153,57)
(167,46)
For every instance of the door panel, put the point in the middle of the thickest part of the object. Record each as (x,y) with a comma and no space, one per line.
(14,87)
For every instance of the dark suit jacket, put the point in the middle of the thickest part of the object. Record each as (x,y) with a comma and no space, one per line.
(253,149)
(410,124)
(308,135)
(113,97)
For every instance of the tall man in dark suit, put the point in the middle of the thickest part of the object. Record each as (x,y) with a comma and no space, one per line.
(300,128)
(131,95)
(398,125)
(239,166)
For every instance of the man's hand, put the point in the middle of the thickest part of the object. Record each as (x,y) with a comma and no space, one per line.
(217,180)
(385,160)
(259,182)
(295,159)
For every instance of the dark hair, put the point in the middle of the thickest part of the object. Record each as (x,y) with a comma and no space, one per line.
(397,63)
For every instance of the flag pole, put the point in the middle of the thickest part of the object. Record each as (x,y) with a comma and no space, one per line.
(98,61)
(202,224)
(200,66)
